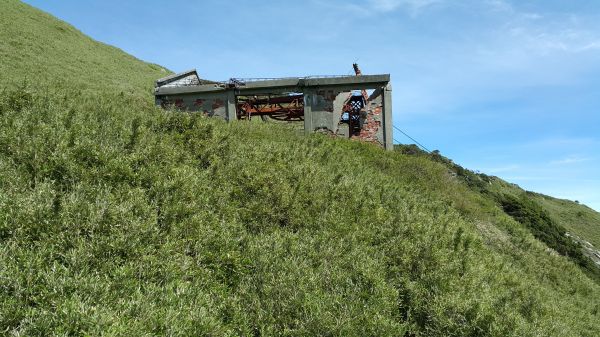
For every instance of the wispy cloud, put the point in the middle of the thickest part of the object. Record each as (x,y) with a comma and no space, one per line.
(500,5)
(519,179)
(414,6)
(561,143)
(570,160)
(538,33)
(592,45)
(546,40)
(373,7)
(503,6)
(501,169)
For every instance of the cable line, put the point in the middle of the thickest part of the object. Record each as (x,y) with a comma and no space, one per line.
(414,140)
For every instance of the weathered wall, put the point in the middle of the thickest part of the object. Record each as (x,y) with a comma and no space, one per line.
(213,105)
(371,120)
(323,109)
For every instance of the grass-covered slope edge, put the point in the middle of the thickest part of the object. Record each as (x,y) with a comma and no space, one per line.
(538,213)
(38,49)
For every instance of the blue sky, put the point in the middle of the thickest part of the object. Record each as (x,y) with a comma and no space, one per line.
(509,88)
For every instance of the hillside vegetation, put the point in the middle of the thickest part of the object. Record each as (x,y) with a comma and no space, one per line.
(39,49)
(577,218)
(562,225)
(118,218)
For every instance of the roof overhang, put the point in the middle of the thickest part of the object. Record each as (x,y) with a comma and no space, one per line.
(174,77)
(293,84)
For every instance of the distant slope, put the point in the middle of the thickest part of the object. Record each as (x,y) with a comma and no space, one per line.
(36,47)
(118,218)
(577,222)
(577,218)
(582,222)
(564,226)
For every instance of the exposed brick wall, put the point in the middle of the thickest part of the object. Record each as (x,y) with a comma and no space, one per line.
(371,121)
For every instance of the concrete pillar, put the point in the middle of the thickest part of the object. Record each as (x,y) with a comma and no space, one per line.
(308,102)
(388,132)
(231,106)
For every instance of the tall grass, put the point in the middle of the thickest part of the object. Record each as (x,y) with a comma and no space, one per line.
(117,218)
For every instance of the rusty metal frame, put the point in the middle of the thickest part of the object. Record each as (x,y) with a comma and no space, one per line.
(287,108)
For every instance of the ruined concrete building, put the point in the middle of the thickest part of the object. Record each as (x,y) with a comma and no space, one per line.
(339,105)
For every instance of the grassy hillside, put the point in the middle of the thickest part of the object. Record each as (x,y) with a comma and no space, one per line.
(581,222)
(37,48)
(117,218)
(577,218)
(564,226)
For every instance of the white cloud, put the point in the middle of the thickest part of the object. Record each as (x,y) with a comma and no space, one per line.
(570,160)
(593,45)
(561,143)
(508,168)
(567,40)
(413,6)
(500,6)
(543,35)
(507,8)
(372,7)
